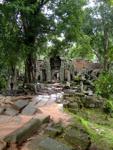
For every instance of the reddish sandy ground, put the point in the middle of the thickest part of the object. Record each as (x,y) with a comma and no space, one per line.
(10,124)
(55,111)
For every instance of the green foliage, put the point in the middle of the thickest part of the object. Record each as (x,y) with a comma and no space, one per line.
(28,25)
(104,84)
(26,28)
(2,82)
(109,106)
(98,26)
(3,75)
(82,49)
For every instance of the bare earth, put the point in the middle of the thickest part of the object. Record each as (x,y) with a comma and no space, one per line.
(9,124)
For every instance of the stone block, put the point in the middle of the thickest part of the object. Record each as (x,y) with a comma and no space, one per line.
(1,110)
(26,131)
(43,118)
(51,144)
(53,132)
(23,133)
(77,138)
(73,105)
(20,104)
(11,111)
(29,110)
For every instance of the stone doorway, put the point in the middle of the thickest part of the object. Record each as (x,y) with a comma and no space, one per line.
(44,76)
(56,75)
(55,63)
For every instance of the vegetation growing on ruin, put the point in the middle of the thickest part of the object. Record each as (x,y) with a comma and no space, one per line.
(37,36)
(99,128)
(74,29)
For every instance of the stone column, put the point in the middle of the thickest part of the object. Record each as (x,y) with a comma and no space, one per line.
(68,76)
(41,76)
(48,70)
(72,71)
(37,71)
(62,69)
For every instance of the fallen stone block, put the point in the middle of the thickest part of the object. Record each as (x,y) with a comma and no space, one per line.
(100,146)
(1,110)
(45,143)
(77,138)
(20,104)
(93,102)
(23,133)
(43,118)
(73,105)
(53,132)
(51,144)
(11,111)
(29,110)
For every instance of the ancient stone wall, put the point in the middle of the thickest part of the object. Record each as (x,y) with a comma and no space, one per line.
(80,64)
(59,69)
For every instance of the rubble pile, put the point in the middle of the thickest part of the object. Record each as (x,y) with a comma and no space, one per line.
(81,92)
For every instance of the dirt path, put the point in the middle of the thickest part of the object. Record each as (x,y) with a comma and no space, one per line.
(45,104)
(56,112)
(10,124)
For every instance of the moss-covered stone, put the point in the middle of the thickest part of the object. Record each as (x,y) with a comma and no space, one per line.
(77,138)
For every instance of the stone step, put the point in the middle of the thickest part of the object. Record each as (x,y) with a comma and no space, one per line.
(23,133)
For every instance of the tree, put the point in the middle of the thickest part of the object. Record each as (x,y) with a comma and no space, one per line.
(33,23)
(100,29)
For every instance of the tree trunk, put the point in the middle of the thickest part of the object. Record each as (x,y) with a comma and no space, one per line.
(12,81)
(106,44)
(30,69)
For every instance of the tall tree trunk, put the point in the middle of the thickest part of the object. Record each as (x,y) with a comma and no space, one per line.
(30,67)
(12,81)
(106,44)
(30,29)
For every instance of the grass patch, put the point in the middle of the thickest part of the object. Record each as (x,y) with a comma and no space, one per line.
(97,125)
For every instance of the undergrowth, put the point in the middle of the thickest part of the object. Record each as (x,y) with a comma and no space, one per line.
(100,129)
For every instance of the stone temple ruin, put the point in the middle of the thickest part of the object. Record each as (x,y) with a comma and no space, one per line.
(58,69)
(42,113)
(54,69)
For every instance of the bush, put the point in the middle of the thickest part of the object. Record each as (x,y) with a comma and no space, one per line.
(109,106)
(104,85)
(2,82)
